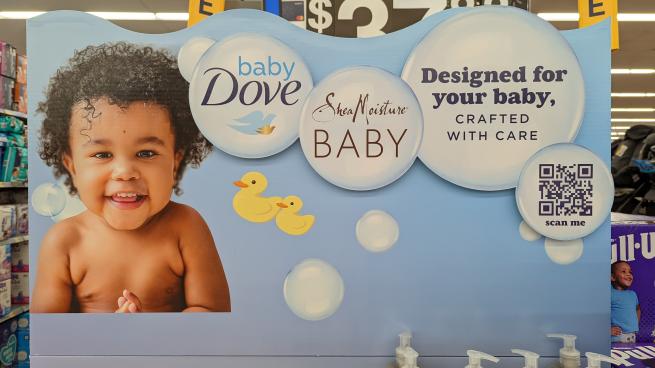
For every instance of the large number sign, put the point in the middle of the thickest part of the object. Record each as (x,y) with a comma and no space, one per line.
(368,18)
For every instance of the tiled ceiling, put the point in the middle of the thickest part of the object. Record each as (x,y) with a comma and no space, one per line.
(637,38)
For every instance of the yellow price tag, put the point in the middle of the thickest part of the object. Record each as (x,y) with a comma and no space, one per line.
(594,11)
(201,9)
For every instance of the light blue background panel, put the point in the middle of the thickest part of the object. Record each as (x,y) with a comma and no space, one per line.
(460,276)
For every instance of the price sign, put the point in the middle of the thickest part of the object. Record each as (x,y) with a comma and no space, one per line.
(369,18)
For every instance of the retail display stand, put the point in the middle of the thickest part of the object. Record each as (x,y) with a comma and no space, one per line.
(357,188)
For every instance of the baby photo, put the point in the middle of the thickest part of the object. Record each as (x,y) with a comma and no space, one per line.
(117,128)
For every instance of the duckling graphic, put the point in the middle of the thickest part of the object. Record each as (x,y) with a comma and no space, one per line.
(289,221)
(248,204)
(254,124)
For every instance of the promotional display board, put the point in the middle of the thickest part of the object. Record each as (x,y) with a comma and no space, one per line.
(313,197)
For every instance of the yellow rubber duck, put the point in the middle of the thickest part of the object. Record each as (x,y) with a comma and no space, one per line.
(248,204)
(289,221)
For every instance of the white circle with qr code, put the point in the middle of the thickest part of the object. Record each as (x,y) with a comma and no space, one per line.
(564,192)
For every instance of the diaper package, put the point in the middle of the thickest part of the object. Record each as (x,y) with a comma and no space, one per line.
(6,93)
(20,288)
(20,257)
(22,359)
(5,262)
(5,296)
(20,97)
(21,69)
(8,342)
(21,219)
(7,221)
(7,60)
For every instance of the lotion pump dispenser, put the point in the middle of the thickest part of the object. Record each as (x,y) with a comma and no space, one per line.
(594,359)
(569,357)
(401,350)
(410,359)
(530,357)
(475,358)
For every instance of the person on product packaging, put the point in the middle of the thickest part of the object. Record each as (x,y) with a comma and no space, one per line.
(625,304)
(119,129)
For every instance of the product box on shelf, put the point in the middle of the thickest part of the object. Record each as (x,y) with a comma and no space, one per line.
(7,221)
(22,219)
(8,342)
(6,92)
(21,69)
(20,257)
(5,262)
(5,296)
(14,164)
(20,97)
(7,60)
(22,359)
(20,288)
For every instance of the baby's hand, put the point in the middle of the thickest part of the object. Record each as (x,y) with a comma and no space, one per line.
(128,303)
(616,331)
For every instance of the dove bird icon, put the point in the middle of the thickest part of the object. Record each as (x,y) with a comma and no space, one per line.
(254,123)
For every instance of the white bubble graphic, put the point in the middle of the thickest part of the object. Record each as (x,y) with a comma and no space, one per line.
(574,172)
(73,207)
(528,233)
(494,123)
(48,199)
(564,252)
(313,289)
(361,128)
(377,231)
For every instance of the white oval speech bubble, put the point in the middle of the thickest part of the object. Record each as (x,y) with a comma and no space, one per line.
(246,94)
(361,128)
(495,84)
(565,192)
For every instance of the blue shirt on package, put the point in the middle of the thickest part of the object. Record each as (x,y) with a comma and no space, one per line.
(624,310)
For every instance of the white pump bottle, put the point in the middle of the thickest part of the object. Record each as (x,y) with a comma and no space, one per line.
(403,349)
(569,357)
(530,357)
(475,358)
(594,359)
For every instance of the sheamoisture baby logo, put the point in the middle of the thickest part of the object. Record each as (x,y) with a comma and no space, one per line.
(361,128)
(508,87)
(246,92)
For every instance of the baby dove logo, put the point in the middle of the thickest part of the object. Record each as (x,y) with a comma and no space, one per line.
(246,92)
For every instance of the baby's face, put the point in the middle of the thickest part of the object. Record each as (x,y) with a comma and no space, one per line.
(622,275)
(123,163)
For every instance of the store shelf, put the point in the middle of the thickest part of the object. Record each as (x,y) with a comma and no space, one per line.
(14,312)
(13,184)
(15,239)
(13,113)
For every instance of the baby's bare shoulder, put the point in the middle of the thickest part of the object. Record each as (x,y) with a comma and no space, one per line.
(62,236)
(184,215)
(190,225)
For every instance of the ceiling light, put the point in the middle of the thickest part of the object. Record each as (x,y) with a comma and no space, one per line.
(19,14)
(172,16)
(124,15)
(633,71)
(563,17)
(619,127)
(105,15)
(633,120)
(633,94)
(574,17)
(633,109)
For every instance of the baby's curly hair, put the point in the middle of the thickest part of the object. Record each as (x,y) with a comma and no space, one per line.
(121,73)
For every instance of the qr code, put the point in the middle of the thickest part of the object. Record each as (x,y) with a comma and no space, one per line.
(565,190)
